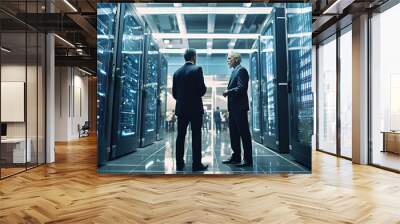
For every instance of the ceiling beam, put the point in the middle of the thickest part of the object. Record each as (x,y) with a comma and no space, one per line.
(203,10)
(150,22)
(238,25)
(299,10)
(64,6)
(298,35)
(337,7)
(205,35)
(320,22)
(210,25)
(181,25)
(207,51)
(86,26)
(84,61)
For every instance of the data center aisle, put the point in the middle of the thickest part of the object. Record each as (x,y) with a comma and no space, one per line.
(159,158)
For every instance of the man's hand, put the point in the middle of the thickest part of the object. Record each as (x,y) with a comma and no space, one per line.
(225,94)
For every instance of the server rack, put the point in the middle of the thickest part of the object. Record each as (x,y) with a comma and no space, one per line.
(107,20)
(119,63)
(301,97)
(162,98)
(149,93)
(129,53)
(256,111)
(274,83)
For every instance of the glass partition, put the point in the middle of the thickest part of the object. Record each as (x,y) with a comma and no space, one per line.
(327,96)
(385,89)
(15,152)
(32,98)
(41,97)
(346,93)
(22,91)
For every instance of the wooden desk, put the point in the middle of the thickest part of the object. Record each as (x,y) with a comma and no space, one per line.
(391,141)
(13,150)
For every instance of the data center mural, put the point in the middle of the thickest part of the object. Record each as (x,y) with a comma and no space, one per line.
(137,134)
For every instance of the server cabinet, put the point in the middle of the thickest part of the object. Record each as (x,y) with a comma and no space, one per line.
(274,84)
(300,74)
(149,98)
(162,99)
(107,20)
(255,96)
(129,53)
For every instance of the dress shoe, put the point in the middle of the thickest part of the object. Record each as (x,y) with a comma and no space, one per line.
(180,166)
(245,165)
(231,161)
(200,167)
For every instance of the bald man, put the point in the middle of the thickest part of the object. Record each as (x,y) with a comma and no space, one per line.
(238,106)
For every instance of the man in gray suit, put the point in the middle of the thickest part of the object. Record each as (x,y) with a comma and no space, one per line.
(238,105)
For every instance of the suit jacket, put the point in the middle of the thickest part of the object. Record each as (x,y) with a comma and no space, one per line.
(217,116)
(188,87)
(237,89)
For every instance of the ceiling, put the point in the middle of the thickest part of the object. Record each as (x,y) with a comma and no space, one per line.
(204,18)
(332,15)
(73,22)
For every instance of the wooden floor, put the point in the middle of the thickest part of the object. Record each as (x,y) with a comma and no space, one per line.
(70,191)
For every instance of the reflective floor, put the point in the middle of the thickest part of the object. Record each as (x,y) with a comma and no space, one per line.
(159,158)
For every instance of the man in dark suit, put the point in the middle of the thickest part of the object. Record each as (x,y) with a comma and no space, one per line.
(217,119)
(188,87)
(238,105)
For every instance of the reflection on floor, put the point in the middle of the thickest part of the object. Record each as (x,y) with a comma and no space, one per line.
(386,159)
(8,171)
(159,158)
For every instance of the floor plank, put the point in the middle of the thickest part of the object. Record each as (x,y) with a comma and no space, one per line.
(71,191)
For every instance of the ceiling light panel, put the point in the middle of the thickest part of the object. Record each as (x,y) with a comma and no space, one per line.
(5,50)
(202,10)
(70,5)
(84,71)
(65,41)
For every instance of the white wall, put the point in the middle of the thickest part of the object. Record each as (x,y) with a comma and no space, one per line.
(71,94)
(12,73)
(33,126)
(79,117)
(61,103)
